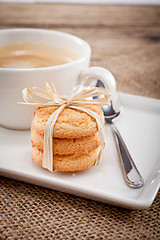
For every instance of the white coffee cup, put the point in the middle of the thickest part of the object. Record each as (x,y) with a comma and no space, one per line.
(65,77)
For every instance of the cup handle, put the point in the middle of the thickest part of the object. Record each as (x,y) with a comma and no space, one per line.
(90,74)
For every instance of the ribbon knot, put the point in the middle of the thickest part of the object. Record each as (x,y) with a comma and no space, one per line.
(49,97)
(68,101)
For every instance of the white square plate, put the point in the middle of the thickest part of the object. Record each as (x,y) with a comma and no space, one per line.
(139,125)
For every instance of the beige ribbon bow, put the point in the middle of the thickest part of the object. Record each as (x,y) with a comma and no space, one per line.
(49,97)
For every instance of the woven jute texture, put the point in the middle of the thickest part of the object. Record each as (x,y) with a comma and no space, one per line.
(32,212)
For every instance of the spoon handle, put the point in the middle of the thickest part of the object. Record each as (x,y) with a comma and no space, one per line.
(130,172)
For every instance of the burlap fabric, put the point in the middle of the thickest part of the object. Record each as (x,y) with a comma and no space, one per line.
(32,212)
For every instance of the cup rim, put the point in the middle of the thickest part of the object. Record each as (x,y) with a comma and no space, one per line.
(78,39)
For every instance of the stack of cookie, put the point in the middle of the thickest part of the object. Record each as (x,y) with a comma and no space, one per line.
(75,138)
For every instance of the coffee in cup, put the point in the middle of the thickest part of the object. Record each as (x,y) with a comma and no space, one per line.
(32,55)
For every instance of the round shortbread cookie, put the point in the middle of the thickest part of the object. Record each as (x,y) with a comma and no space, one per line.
(68,162)
(71,123)
(64,146)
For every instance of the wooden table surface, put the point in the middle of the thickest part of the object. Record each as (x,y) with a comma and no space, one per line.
(126,41)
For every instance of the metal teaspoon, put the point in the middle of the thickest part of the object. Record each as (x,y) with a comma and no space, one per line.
(130,172)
